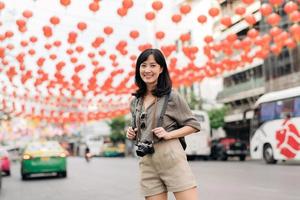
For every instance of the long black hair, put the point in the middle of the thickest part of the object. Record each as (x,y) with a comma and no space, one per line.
(164,83)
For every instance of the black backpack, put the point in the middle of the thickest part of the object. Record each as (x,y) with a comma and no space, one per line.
(160,119)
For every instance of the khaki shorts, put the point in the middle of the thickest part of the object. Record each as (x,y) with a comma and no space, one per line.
(167,170)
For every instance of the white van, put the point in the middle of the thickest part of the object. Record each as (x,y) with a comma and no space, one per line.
(199,143)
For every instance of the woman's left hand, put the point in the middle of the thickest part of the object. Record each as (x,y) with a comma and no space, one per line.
(160,132)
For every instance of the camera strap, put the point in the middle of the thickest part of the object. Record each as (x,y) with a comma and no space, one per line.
(138,137)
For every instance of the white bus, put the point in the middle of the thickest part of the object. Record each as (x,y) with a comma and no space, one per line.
(198,144)
(275,127)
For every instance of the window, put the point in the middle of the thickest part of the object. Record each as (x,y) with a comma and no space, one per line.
(267,111)
(284,108)
(297,107)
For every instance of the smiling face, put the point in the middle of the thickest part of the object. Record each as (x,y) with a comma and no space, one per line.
(150,71)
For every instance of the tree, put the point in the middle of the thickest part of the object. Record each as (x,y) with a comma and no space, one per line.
(216,117)
(117,126)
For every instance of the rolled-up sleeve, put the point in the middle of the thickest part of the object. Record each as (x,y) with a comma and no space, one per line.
(181,113)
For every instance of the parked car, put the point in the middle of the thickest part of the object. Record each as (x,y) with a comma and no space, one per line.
(44,157)
(228,147)
(5,161)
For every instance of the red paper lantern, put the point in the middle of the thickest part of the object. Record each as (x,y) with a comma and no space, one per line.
(47,31)
(226,21)
(2,5)
(94,6)
(157,5)
(248,1)
(33,39)
(185,9)
(176,18)
(150,16)
(273,19)
(54,20)
(213,12)
(108,30)
(127,4)
(57,43)
(134,34)
(240,10)
(202,19)
(252,33)
(9,34)
(160,35)
(208,39)
(27,14)
(65,3)
(122,12)
(274,31)
(81,26)
(266,9)
(250,19)
(290,7)
(276,3)
(295,16)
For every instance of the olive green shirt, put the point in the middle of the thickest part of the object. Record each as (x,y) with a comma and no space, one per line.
(177,115)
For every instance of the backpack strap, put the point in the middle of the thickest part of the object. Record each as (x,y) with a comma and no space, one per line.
(133,123)
(163,110)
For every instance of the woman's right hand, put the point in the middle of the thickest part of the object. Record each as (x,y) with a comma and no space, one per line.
(131,134)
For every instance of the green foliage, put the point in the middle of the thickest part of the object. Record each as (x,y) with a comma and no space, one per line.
(216,117)
(193,102)
(117,126)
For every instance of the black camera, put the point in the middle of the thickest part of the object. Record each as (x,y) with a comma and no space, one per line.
(144,148)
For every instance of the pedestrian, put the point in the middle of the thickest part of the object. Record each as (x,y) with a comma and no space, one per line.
(87,154)
(163,164)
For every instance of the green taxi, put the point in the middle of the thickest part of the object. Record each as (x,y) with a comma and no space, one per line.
(44,157)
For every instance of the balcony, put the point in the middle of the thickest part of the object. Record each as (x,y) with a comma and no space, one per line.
(243,90)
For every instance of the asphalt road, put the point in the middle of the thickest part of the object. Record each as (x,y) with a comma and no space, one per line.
(117,179)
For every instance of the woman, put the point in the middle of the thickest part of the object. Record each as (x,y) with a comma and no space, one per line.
(166,168)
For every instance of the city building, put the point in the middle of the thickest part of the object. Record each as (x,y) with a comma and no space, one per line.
(242,87)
